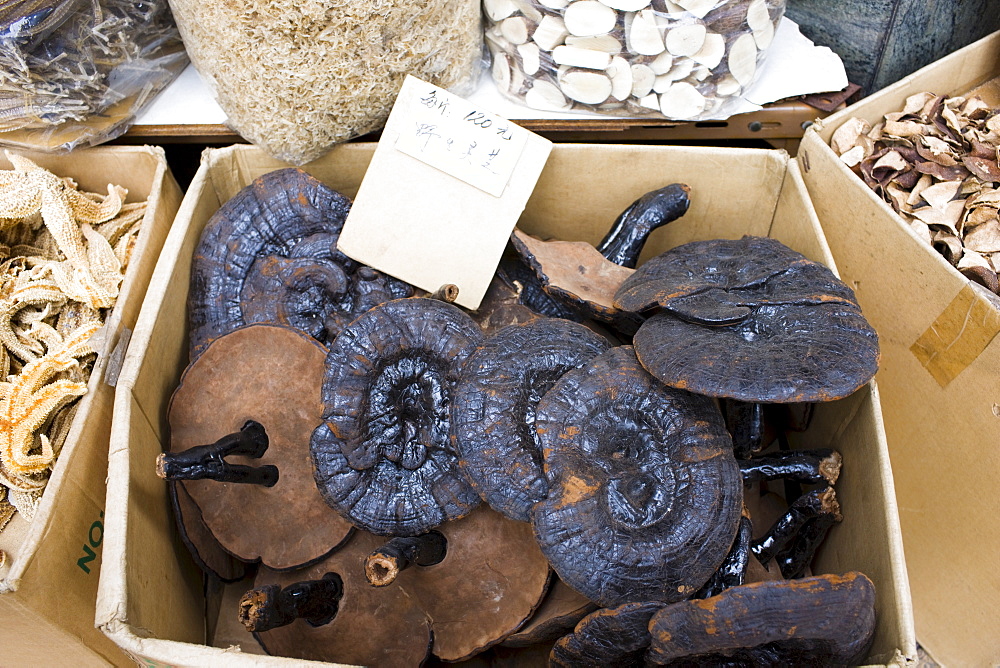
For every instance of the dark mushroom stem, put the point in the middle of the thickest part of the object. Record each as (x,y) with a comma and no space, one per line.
(804,466)
(814,504)
(208,461)
(625,239)
(733,570)
(745,422)
(272,606)
(446,293)
(385,564)
(793,559)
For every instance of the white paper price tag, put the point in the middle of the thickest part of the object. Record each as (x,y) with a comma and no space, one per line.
(443,192)
(447,132)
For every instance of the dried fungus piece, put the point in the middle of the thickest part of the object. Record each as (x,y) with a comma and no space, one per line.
(493,409)
(492,578)
(616,636)
(750,319)
(272,376)
(382,456)
(644,492)
(364,625)
(824,620)
(584,278)
(203,546)
(562,609)
(268,255)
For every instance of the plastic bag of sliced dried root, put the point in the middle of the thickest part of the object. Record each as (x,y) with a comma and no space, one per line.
(77,72)
(296,77)
(680,59)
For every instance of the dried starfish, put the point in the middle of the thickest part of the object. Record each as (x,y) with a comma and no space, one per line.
(29,400)
(41,191)
(35,295)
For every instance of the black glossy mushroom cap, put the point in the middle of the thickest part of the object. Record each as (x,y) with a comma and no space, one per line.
(373,626)
(825,620)
(644,492)
(750,319)
(616,636)
(493,411)
(382,456)
(272,375)
(269,255)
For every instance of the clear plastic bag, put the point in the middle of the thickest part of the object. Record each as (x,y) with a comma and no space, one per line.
(680,59)
(76,72)
(296,77)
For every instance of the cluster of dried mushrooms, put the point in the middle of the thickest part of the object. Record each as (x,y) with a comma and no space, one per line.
(64,255)
(623,450)
(936,163)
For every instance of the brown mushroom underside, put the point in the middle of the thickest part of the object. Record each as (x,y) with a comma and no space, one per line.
(491,580)
(374,626)
(272,375)
(574,272)
(561,610)
(205,549)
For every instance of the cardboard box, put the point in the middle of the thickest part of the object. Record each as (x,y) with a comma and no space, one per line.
(151,600)
(49,587)
(939,375)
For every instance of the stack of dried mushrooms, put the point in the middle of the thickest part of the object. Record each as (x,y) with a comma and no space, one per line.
(622,485)
(936,163)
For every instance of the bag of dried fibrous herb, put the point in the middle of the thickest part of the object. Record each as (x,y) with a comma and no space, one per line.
(296,77)
(77,72)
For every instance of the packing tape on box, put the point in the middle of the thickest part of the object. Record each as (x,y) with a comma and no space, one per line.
(959,335)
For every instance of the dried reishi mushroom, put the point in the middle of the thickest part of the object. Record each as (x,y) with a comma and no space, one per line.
(374,626)
(493,408)
(826,620)
(198,538)
(562,608)
(750,319)
(585,278)
(644,492)
(382,455)
(269,255)
(270,376)
(492,578)
(608,637)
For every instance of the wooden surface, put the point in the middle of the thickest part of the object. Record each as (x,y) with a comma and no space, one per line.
(783,120)
(881,41)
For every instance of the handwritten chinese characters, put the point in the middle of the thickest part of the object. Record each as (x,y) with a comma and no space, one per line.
(452,135)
